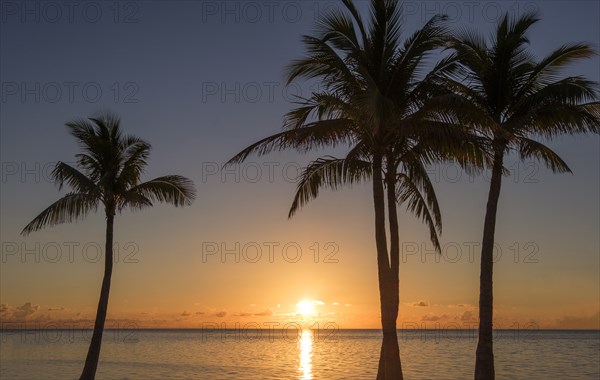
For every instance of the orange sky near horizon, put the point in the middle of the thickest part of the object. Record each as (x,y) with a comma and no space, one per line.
(180,280)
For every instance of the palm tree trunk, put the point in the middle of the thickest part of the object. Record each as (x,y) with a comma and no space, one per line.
(389,362)
(484,363)
(91,361)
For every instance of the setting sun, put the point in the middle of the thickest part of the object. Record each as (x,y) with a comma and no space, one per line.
(306,308)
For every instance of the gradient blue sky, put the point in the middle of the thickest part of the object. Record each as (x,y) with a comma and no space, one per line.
(200,81)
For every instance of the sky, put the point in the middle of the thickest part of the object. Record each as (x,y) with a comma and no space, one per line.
(202,80)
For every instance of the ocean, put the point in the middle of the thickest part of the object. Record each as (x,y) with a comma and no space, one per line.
(287,354)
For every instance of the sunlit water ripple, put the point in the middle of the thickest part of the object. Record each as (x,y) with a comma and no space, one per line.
(347,354)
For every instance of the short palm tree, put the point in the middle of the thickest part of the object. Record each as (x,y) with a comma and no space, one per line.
(517,103)
(108,175)
(375,100)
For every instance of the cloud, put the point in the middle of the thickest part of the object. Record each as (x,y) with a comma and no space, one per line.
(434,318)
(199,313)
(243,314)
(220,314)
(186,314)
(336,304)
(463,305)
(60,308)
(19,313)
(590,322)
(266,313)
(467,316)
(348,304)
(25,312)
(421,304)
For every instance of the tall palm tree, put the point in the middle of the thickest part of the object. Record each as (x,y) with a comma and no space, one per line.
(107,174)
(374,99)
(517,103)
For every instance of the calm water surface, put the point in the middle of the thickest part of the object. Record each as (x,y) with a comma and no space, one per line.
(273,354)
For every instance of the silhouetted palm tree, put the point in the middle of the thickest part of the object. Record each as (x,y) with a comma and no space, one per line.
(517,103)
(374,99)
(108,175)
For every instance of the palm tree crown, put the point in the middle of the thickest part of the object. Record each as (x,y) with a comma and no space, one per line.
(514,99)
(108,173)
(374,98)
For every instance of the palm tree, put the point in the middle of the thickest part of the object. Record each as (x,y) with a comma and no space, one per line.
(108,174)
(375,100)
(517,103)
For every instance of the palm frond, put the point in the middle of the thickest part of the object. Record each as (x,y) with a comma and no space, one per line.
(552,120)
(172,189)
(331,173)
(134,162)
(322,62)
(416,171)
(133,200)
(546,71)
(70,208)
(408,193)
(533,149)
(79,182)
(315,134)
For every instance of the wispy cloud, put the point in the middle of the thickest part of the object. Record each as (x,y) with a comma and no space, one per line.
(578,322)
(266,313)
(434,317)
(242,314)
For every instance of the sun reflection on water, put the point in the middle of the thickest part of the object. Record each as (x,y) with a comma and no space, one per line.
(305,344)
